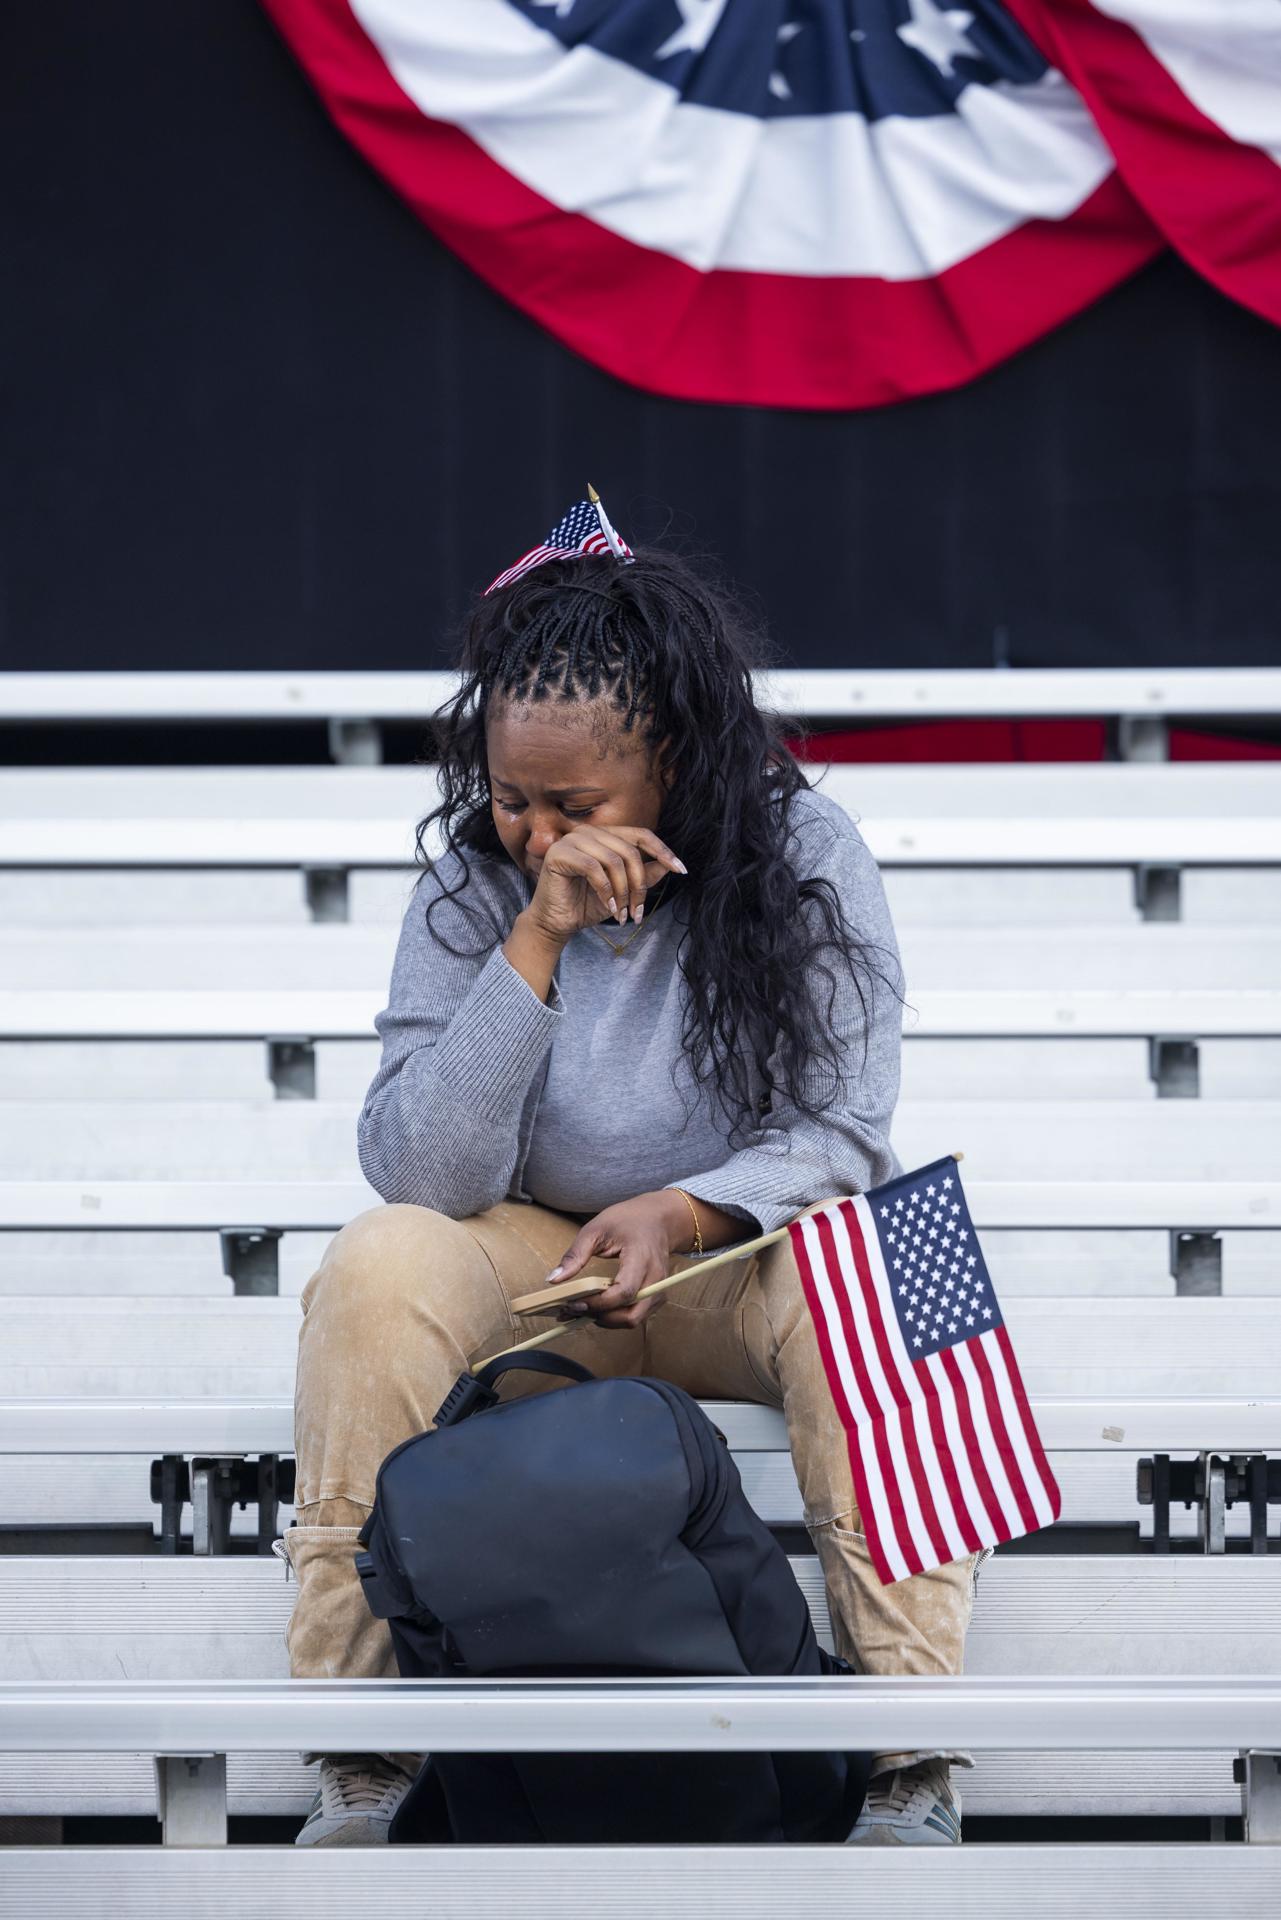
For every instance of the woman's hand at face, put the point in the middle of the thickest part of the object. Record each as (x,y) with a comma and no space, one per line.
(642,1232)
(593,872)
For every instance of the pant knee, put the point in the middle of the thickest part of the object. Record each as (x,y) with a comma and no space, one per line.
(396,1257)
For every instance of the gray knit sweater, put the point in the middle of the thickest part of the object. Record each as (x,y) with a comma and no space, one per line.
(485,1092)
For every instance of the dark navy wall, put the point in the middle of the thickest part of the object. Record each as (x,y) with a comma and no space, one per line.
(257,416)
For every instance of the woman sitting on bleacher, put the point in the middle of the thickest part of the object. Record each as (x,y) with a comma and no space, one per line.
(557,1094)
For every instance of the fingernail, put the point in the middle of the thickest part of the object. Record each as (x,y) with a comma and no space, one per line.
(638,913)
(613,906)
(555,1274)
(679,865)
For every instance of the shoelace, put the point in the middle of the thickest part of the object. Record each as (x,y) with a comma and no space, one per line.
(893,1798)
(897,1794)
(361,1784)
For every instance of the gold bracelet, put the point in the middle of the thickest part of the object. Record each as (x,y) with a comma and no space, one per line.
(698,1231)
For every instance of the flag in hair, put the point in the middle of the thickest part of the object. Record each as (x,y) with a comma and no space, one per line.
(584,529)
(945,1453)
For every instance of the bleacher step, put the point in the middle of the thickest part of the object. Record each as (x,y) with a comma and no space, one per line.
(973,1882)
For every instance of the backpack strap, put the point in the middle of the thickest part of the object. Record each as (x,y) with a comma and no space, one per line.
(533,1363)
(474,1392)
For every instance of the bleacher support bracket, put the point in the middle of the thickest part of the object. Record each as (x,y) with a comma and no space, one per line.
(1211,1483)
(251,1259)
(1196,1264)
(1174,1067)
(191,1799)
(291,1066)
(214,1486)
(1158,892)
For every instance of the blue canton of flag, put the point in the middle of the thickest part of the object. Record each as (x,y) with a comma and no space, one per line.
(939,1282)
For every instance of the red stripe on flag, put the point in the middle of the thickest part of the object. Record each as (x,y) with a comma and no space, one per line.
(893,1378)
(1031,1435)
(1004,1446)
(880,1440)
(845,1413)
(943,1448)
(973,1450)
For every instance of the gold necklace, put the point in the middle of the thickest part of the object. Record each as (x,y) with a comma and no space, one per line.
(617,950)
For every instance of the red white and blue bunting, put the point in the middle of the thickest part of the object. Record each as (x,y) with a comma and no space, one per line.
(815,203)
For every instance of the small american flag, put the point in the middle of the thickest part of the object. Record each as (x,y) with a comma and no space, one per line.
(944,1450)
(584,529)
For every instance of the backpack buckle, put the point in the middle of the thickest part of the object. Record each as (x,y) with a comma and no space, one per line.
(467,1395)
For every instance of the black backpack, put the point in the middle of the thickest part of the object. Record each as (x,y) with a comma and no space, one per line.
(597,1530)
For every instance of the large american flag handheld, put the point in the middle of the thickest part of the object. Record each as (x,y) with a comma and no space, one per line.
(944,1450)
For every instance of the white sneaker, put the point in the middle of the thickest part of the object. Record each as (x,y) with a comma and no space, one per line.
(355,1801)
(913,1807)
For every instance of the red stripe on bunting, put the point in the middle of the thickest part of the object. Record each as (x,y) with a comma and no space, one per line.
(749,338)
(1215,199)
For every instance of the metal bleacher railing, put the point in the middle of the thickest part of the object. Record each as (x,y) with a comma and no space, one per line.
(188,1029)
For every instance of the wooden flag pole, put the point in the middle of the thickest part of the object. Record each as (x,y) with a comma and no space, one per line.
(739,1252)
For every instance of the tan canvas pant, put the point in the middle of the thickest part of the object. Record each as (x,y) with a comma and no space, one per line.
(406,1299)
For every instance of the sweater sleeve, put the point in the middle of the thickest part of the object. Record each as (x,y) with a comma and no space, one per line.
(793,1161)
(462,1040)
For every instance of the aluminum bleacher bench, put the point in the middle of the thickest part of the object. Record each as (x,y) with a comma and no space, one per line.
(922,840)
(1168,987)
(1174,1139)
(1048,790)
(897,693)
(246,1013)
(209,1205)
(1147,956)
(282,844)
(79,1622)
(86,1462)
(1112,1381)
(316,1139)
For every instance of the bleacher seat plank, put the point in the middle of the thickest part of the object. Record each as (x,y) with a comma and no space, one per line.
(1060,1785)
(1193,1012)
(831,692)
(243,1426)
(85,1619)
(304,1139)
(1153,956)
(903,840)
(1007,1882)
(158,1349)
(1199,1712)
(209,1205)
(80,1621)
(1037,1069)
(90,1490)
(1072,790)
(276,896)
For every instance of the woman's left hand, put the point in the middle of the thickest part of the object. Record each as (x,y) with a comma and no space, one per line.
(644,1233)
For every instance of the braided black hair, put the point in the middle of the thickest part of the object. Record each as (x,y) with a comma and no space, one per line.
(660,649)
